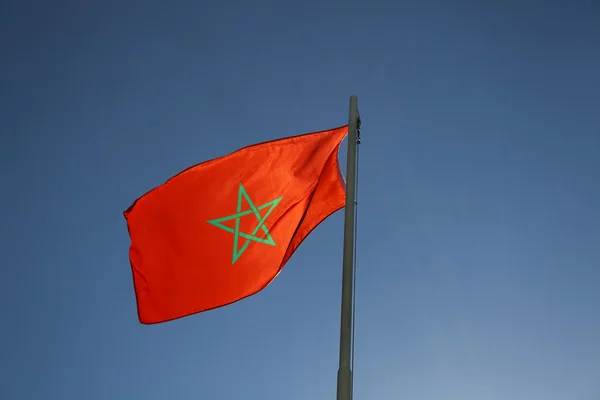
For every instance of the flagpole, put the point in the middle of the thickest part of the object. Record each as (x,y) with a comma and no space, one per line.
(344,379)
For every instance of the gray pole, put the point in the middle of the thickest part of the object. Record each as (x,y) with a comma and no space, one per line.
(344,380)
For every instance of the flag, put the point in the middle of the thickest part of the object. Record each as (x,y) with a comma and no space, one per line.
(222,230)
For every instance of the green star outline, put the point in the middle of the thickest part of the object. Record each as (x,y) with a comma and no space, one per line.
(236,231)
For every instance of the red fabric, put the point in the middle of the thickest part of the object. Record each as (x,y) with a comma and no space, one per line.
(182,241)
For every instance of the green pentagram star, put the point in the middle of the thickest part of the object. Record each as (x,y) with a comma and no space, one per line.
(236,231)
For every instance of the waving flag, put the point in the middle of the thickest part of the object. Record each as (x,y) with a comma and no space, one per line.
(222,230)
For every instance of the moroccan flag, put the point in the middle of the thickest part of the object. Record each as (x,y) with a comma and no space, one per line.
(222,230)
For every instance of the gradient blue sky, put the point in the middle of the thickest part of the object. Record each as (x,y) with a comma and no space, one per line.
(479,238)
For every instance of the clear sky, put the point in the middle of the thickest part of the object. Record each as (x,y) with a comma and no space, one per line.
(479,237)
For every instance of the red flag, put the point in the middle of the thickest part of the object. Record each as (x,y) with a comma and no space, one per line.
(222,230)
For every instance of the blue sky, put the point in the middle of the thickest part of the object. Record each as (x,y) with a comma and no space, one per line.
(479,238)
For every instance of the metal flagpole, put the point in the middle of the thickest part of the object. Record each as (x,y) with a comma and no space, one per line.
(344,379)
